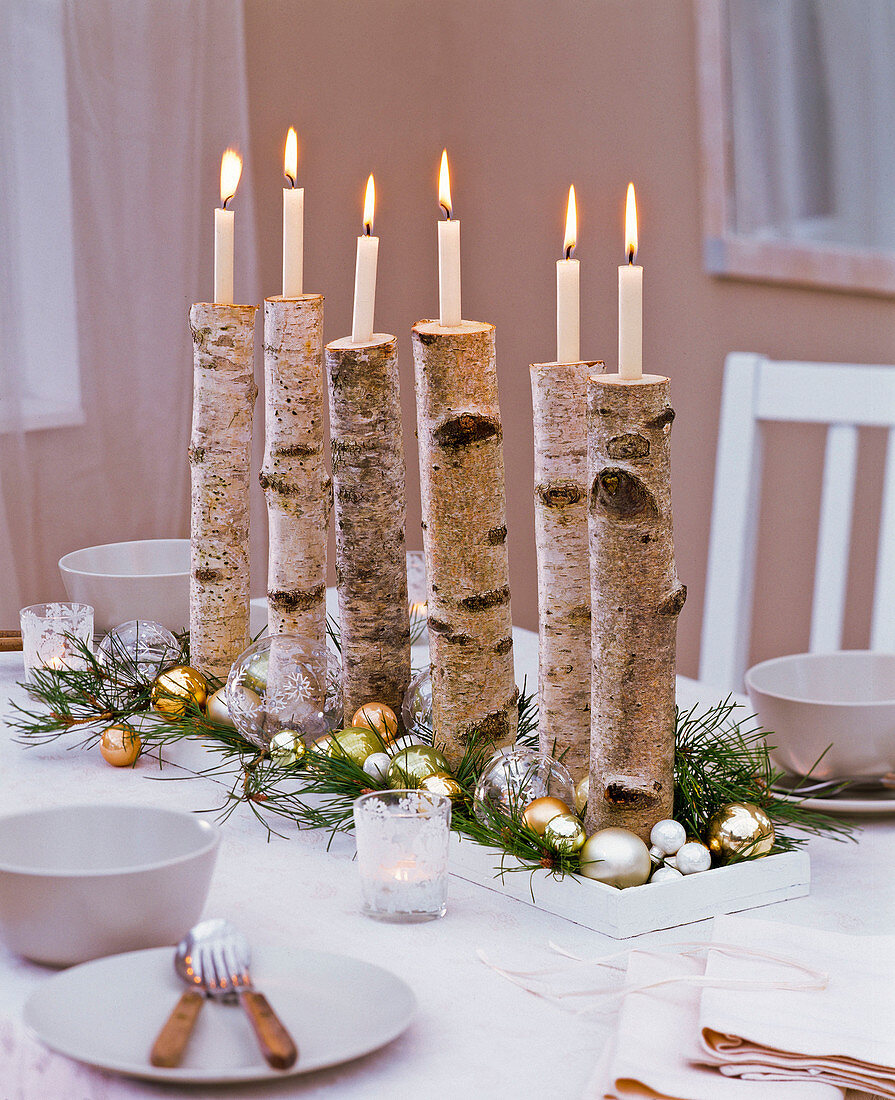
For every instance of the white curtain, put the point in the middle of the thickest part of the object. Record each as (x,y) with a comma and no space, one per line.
(154,90)
(812,115)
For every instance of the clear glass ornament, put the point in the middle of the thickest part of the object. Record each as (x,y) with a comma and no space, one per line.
(146,646)
(281,683)
(514,777)
(332,706)
(416,710)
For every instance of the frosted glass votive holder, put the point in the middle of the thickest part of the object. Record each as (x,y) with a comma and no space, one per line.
(48,634)
(402,854)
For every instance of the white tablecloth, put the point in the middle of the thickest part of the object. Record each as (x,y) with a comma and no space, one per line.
(475,1035)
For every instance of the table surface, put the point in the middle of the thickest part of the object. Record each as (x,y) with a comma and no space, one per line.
(475,1034)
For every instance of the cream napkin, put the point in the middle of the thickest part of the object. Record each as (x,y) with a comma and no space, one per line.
(843,1035)
(657,1039)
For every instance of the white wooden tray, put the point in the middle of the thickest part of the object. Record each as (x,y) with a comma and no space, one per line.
(639,909)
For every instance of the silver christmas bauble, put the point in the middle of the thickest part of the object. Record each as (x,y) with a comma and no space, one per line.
(691,858)
(617,857)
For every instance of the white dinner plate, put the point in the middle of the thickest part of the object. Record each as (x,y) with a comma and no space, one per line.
(108,1012)
(845,804)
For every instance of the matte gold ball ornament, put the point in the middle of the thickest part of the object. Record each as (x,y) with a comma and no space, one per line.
(175,689)
(617,857)
(565,834)
(541,811)
(379,717)
(439,783)
(740,830)
(120,746)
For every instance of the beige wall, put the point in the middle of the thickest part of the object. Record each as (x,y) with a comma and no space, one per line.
(528,97)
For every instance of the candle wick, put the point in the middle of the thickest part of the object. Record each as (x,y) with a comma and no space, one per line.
(568,252)
(631,255)
(226,200)
(291,180)
(368,229)
(447,211)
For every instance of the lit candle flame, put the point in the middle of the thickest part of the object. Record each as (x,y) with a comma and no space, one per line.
(571,224)
(444,185)
(231,170)
(290,157)
(631,224)
(369,206)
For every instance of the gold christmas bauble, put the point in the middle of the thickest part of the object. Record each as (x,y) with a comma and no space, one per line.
(216,707)
(439,783)
(741,830)
(565,833)
(582,790)
(323,744)
(120,746)
(286,747)
(357,743)
(174,689)
(412,765)
(379,717)
(254,675)
(617,857)
(538,813)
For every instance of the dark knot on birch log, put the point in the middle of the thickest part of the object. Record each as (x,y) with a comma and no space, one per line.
(630,794)
(497,536)
(559,494)
(461,431)
(629,445)
(295,599)
(621,494)
(674,603)
(494,728)
(207,576)
(663,420)
(485,600)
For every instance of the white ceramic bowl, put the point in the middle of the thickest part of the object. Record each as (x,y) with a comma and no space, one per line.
(80,882)
(148,579)
(845,700)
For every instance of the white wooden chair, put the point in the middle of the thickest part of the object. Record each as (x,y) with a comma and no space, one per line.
(846,397)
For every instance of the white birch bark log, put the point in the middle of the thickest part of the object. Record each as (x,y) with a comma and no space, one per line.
(224,392)
(559,401)
(294,478)
(370,512)
(636,598)
(464,529)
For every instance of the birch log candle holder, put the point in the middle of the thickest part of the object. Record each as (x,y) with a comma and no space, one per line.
(370,511)
(474,693)
(224,394)
(635,602)
(294,478)
(559,400)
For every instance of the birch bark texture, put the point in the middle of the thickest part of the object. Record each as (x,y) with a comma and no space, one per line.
(559,401)
(224,393)
(294,478)
(474,694)
(370,511)
(636,598)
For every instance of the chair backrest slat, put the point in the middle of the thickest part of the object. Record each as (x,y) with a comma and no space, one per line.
(882,629)
(833,539)
(846,397)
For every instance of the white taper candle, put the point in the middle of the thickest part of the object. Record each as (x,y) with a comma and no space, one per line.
(630,300)
(293,222)
(448,254)
(365,274)
(224,227)
(567,292)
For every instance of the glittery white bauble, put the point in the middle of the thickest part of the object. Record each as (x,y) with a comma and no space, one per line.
(668,836)
(665,873)
(617,857)
(692,857)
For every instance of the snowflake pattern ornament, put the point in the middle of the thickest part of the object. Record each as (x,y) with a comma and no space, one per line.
(280,683)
